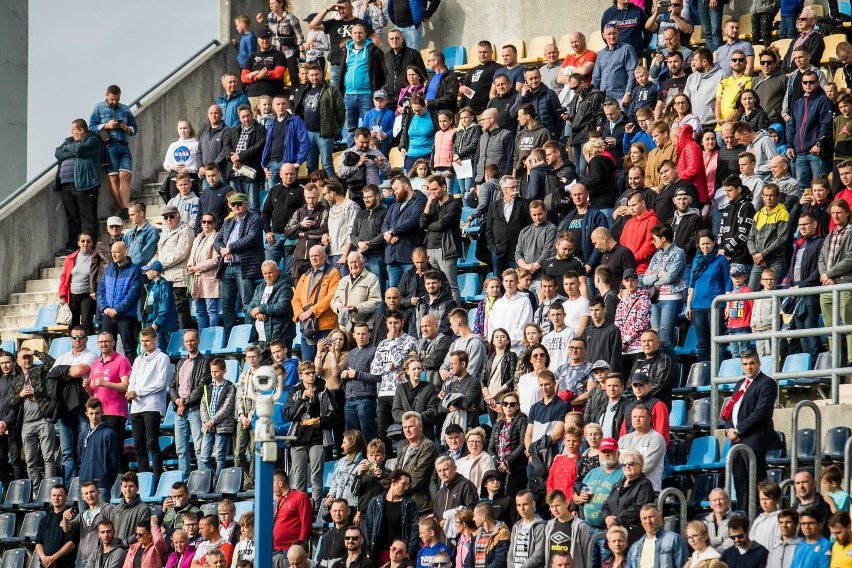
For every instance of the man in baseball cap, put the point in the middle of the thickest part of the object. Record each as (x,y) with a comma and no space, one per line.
(379,120)
(596,403)
(598,483)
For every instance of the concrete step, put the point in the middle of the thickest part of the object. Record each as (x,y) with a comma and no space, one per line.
(32,298)
(52,272)
(57,262)
(151,188)
(42,285)
(16,321)
(29,310)
(12,334)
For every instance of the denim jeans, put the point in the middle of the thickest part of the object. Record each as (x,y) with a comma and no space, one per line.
(408,163)
(356,107)
(69,427)
(376,265)
(188,429)
(809,320)
(499,264)
(214,444)
(756,271)
(250,188)
(738,347)
(608,214)
(413,36)
(701,323)
(711,23)
(664,314)
(207,312)
(120,158)
(232,284)
(788,27)
(343,269)
(275,169)
(309,352)
(300,456)
(360,415)
(580,160)
(396,270)
(465,184)
(809,167)
(321,150)
(450,268)
(335,74)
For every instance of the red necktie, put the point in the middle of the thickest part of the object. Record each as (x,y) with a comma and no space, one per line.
(729,408)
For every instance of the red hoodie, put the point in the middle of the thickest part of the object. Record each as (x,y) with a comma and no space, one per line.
(690,162)
(294,520)
(637,237)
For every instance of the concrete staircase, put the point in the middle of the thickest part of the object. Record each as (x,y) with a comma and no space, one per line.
(23,306)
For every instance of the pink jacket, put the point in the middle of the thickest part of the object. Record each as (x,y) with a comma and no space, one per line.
(152,557)
(185,561)
(443,154)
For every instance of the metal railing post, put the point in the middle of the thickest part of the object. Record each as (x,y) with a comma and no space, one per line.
(794,444)
(787,485)
(752,476)
(847,464)
(590,547)
(714,367)
(681,499)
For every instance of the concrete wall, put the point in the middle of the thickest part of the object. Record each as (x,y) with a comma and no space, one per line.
(13,93)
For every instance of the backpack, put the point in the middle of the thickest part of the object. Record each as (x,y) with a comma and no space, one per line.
(556,197)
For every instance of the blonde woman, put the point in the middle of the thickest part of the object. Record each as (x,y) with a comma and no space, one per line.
(699,539)
(474,465)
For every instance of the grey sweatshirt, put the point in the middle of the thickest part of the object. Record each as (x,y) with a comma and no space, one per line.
(535,244)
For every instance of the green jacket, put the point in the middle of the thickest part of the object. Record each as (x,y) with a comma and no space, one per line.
(332,111)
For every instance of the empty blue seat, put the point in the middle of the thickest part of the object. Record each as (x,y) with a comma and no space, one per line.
(806,441)
(470,287)
(470,260)
(232,370)
(211,338)
(92,343)
(60,346)
(794,363)
(704,484)
(297,341)
(471,316)
(238,341)
(242,508)
(455,55)
(834,443)
(164,486)
(690,344)
(229,484)
(677,416)
(704,451)
(168,422)
(327,472)
(779,457)
(175,348)
(9,346)
(45,319)
(200,481)
(699,377)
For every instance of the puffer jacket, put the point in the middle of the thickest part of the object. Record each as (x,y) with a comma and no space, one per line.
(690,163)
(173,250)
(278,309)
(495,147)
(222,415)
(343,479)
(161,299)
(120,289)
(548,109)
(86,154)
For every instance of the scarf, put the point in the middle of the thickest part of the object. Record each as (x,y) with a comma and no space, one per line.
(700,264)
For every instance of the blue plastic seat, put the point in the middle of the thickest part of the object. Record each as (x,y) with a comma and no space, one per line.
(720,463)
(238,341)
(9,346)
(45,319)
(232,370)
(168,422)
(211,338)
(297,341)
(164,486)
(470,287)
(455,55)
(175,348)
(690,344)
(806,440)
(59,346)
(327,472)
(677,416)
(704,451)
(200,481)
(19,493)
(469,260)
(779,457)
(704,484)
(263,195)
(42,499)
(229,484)
(699,415)
(243,507)
(797,362)
(834,443)
(92,343)
(471,316)
(484,420)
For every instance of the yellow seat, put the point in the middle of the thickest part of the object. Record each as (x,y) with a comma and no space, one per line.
(725,19)
(473,57)
(335,159)
(818,9)
(424,53)
(536,52)
(397,160)
(697,37)
(830,53)
(519,44)
(745,26)
(782,45)
(564,46)
(303,171)
(840,79)
(596,42)
(34,345)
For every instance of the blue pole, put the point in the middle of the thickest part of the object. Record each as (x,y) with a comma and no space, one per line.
(263,508)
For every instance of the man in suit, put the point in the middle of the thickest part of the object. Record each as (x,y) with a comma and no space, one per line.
(506,218)
(748,420)
(416,455)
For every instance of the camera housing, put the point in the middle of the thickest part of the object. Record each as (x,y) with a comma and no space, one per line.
(264,379)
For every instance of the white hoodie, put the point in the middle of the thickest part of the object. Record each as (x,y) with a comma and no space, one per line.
(150,379)
(511,314)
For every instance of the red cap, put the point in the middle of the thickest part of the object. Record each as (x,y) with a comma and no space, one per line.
(608,445)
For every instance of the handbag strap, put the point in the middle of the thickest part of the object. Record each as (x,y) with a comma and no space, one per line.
(319,287)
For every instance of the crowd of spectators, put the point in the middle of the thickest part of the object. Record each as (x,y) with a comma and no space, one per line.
(611,196)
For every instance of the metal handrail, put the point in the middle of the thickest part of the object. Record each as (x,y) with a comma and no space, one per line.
(137,103)
(681,498)
(752,478)
(776,334)
(847,464)
(591,545)
(786,485)
(794,444)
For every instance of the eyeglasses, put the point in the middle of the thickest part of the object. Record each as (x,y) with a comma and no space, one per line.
(808,523)
(738,60)
(78,337)
(575,347)
(767,62)
(439,564)
(509,404)
(802,19)
(628,464)
(238,204)
(740,536)
(474,441)
(351,537)
(141,535)
(207,221)
(691,536)
(538,355)
(808,82)
(170,216)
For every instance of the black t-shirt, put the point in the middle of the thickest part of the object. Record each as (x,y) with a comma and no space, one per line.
(276,144)
(391,528)
(402,13)
(265,60)
(663,203)
(576,227)
(670,89)
(479,79)
(504,116)
(337,31)
(559,267)
(310,108)
(560,538)
(51,536)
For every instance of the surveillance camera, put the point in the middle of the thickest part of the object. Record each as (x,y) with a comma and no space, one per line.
(264,379)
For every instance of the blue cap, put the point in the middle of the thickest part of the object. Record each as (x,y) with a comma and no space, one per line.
(156,266)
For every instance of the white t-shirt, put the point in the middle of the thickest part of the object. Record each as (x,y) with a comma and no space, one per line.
(556,343)
(528,391)
(574,310)
(259,325)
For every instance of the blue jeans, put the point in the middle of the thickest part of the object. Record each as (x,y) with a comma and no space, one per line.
(335,74)
(608,214)
(737,348)
(809,320)
(396,270)
(756,271)
(163,340)
(499,264)
(413,36)
(701,323)
(207,312)
(275,168)
(711,23)
(250,188)
(376,265)
(580,160)
(809,167)
(664,314)
(119,158)
(356,107)
(788,27)
(464,186)
(322,149)
(360,415)
(408,163)
(214,444)
(275,251)
(69,427)
(231,285)
(188,429)
(342,268)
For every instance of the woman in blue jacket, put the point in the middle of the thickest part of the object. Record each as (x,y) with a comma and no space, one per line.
(710,278)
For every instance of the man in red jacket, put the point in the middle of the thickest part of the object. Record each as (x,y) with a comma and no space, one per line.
(294,513)
(637,231)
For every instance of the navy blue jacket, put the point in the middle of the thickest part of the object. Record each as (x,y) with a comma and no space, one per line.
(592,220)
(810,263)
(249,244)
(100,459)
(120,289)
(547,107)
(404,222)
(754,423)
(163,311)
(811,122)
(277,309)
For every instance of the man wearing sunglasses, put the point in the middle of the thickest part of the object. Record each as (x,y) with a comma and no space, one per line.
(810,131)
(746,553)
(730,88)
(770,84)
(353,540)
(150,548)
(808,37)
